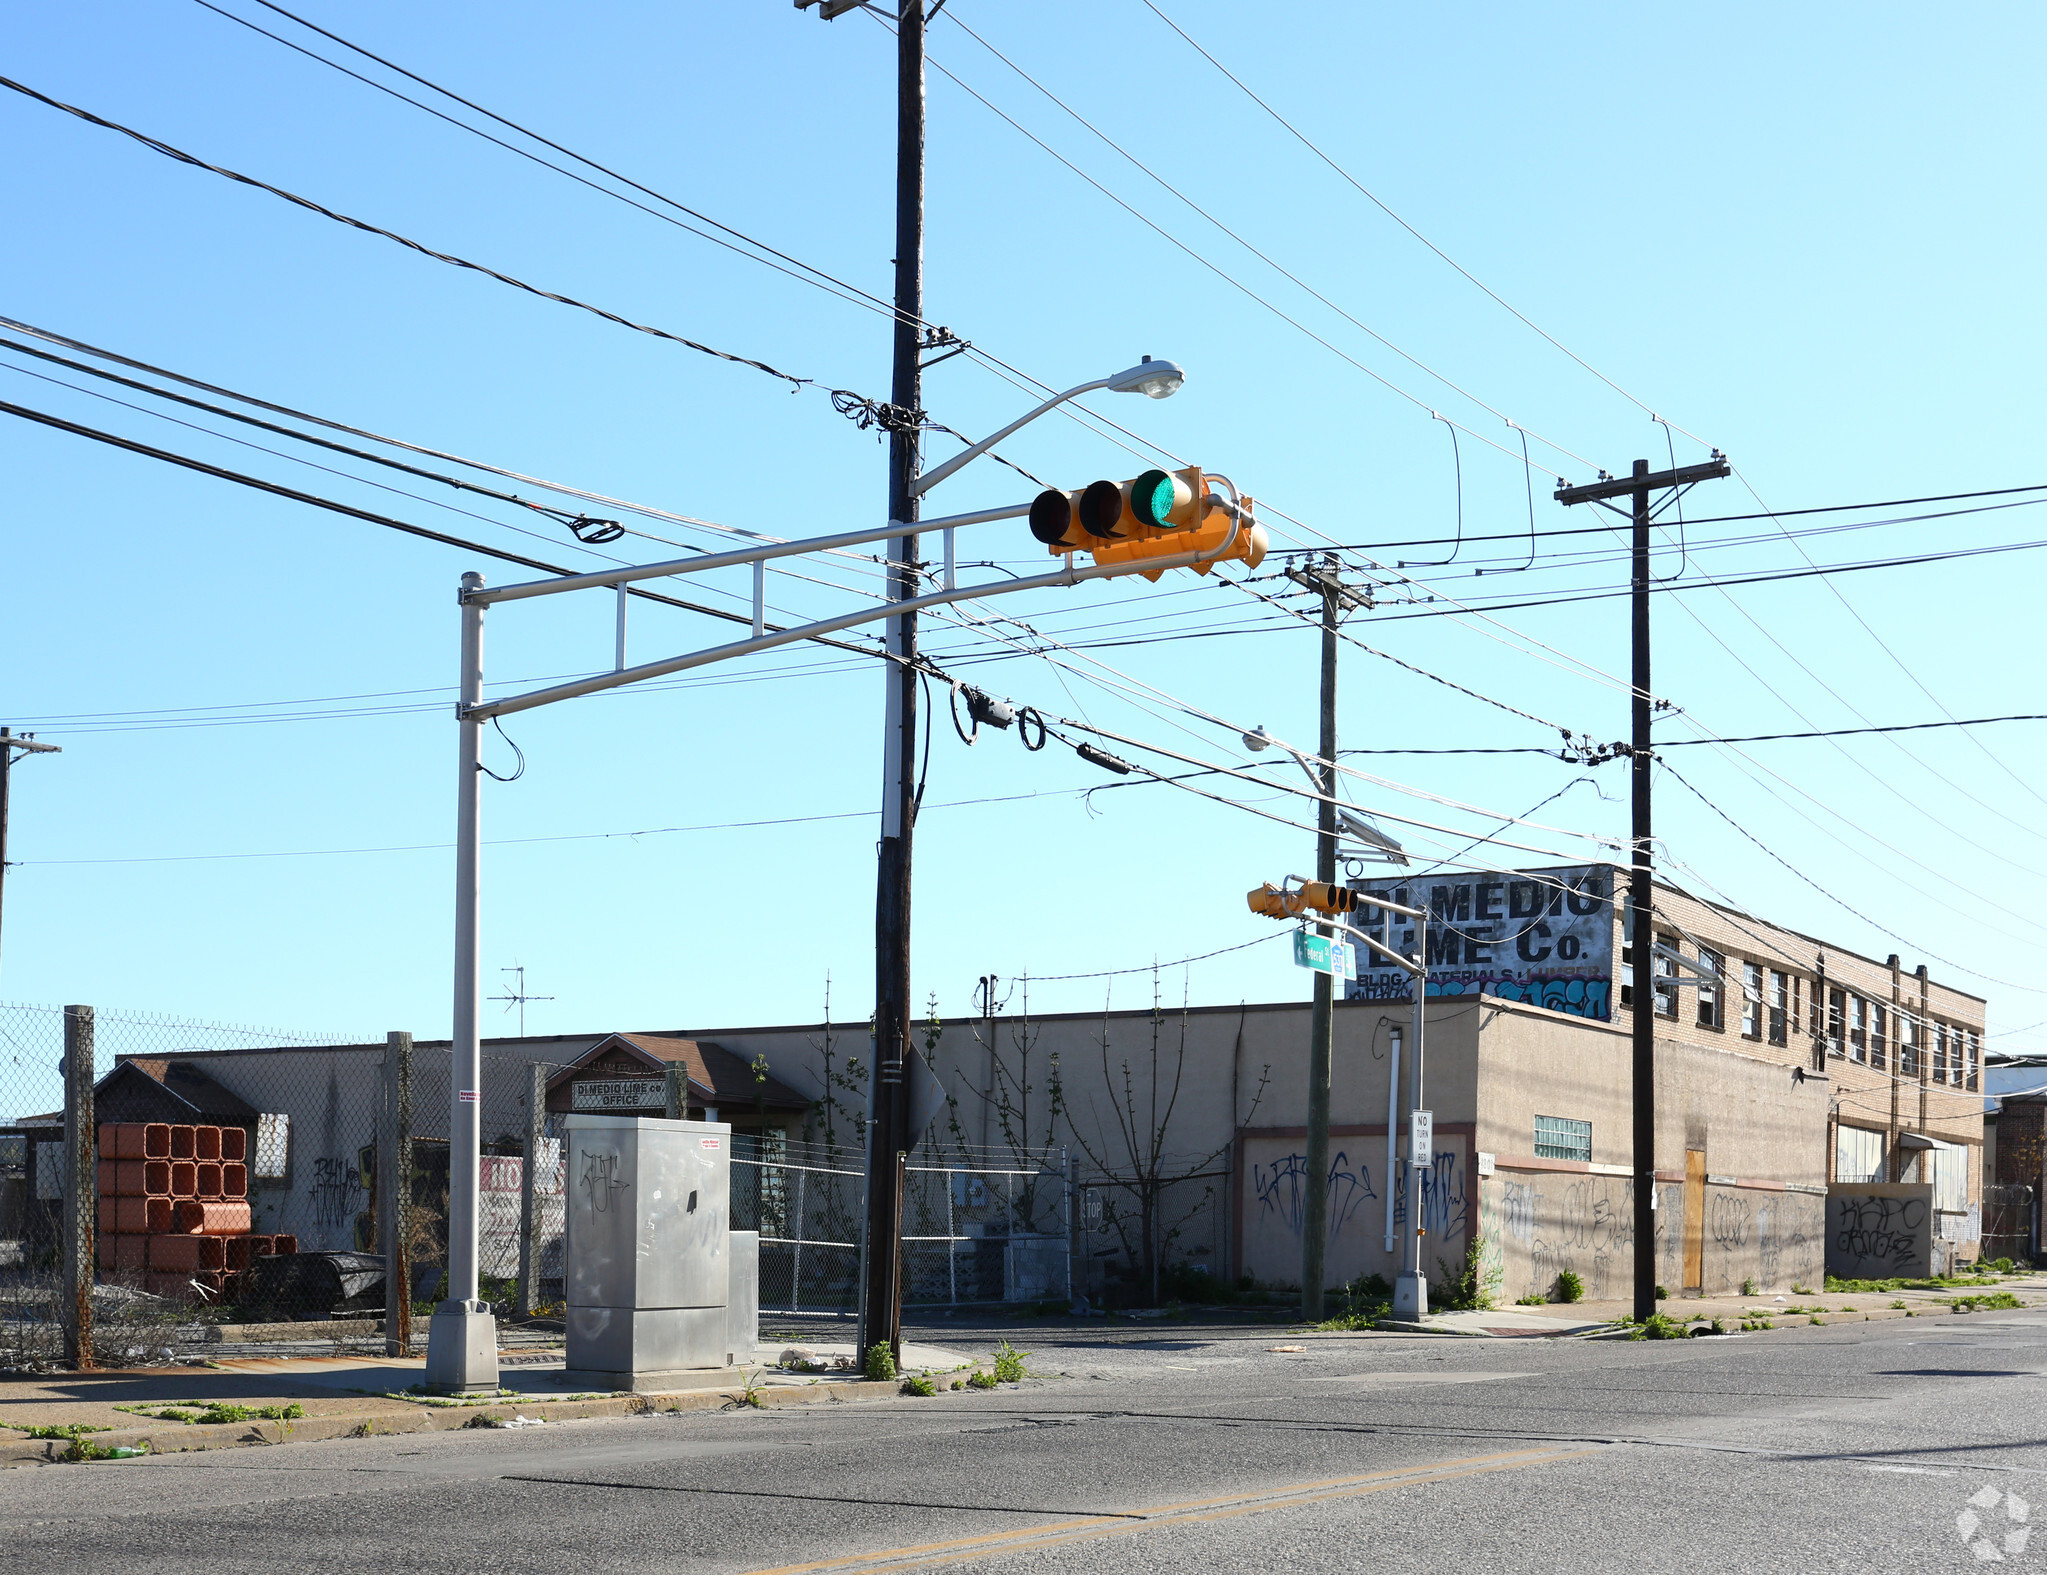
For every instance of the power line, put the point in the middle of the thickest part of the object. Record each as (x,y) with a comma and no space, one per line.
(1173,240)
(862,407)
(1358,186)
(1267,259)
(1838,901)
(313,499)
(831,283)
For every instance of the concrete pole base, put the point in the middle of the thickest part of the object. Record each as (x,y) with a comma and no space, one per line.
(1410,1298)
(462,1349)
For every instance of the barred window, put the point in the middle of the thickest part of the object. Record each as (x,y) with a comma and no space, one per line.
(273,1147)
(1559,1137)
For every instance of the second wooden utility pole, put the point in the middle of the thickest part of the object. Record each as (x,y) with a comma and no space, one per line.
(1325,580)
(1641,876)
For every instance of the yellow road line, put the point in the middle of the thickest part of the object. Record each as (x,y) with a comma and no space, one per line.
(1061,1532)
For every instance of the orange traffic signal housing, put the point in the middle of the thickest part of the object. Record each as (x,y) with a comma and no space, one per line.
(1154,515)
(1322,896)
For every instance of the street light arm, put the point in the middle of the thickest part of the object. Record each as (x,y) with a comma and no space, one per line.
(932,478)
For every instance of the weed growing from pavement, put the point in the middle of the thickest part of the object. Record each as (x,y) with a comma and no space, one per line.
(1009,1364)
(919,1385)
(201,1412)
(881,1363)
(751,1393)
(981,1381)
(1570,1287)
(1994,1299)
(1749,1287)
(71,1430)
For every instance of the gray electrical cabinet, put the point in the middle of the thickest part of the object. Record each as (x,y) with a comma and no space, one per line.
(648,1264)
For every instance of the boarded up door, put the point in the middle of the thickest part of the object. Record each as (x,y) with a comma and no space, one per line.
(1695,1218)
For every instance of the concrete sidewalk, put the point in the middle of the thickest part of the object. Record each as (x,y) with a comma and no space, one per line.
(279,1399)
(1554,1319)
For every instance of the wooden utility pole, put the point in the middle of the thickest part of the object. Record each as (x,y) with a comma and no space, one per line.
(1637,488)
(888,1135)
(10,741)
(1325,580)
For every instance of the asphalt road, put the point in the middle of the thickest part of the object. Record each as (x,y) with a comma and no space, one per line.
(1853,1447)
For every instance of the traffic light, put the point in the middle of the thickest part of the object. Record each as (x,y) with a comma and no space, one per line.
(1323,896)
(1158,514)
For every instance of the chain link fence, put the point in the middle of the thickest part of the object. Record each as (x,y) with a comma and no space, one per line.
(229,1190)
(976,1229)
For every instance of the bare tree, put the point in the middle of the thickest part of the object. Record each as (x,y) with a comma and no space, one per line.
(1133,1152)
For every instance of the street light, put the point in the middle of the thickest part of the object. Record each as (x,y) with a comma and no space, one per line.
(1153,379)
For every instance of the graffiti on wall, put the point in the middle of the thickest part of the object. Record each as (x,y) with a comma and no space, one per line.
(1871,1237)
(1282,1190)
(337,1193)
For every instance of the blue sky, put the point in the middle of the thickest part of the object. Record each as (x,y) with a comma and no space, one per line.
(1804,237)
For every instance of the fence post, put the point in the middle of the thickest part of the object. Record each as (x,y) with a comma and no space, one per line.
(529,1186)
(395,1159)
(796,1252)
(80,1186)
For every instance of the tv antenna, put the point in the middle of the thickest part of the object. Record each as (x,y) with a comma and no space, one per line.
(518,997)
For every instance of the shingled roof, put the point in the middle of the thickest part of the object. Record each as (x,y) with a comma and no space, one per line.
(716,1076)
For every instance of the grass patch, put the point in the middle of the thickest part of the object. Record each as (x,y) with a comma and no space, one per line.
(981,1381)
(1999,1300)
(919,1386)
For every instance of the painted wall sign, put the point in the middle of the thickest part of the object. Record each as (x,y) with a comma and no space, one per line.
(619,1093)
(1540,936)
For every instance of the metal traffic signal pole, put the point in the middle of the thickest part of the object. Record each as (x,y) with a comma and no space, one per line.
(1641,889)
(881,1300)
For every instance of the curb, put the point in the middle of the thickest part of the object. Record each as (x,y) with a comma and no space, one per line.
(169,1438)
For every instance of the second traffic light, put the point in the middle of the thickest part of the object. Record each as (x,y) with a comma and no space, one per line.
(1322,896)
(1155,515)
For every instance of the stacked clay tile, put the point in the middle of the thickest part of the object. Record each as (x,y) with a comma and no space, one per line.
(174,1206)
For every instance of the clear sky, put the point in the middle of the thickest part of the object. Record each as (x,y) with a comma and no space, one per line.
(1809,236)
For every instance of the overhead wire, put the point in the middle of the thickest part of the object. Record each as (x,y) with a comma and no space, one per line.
(874,411)
(1377,202)
(1242,241)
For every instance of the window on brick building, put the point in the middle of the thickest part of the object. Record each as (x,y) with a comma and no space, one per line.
(1837,1015)
(1940,1052)
(1975,1059)
(1879,1016)
(1908,1045)
(1712,968)
(1780,1007)
(1752,1000)
(1858,1028)
(1665,968)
